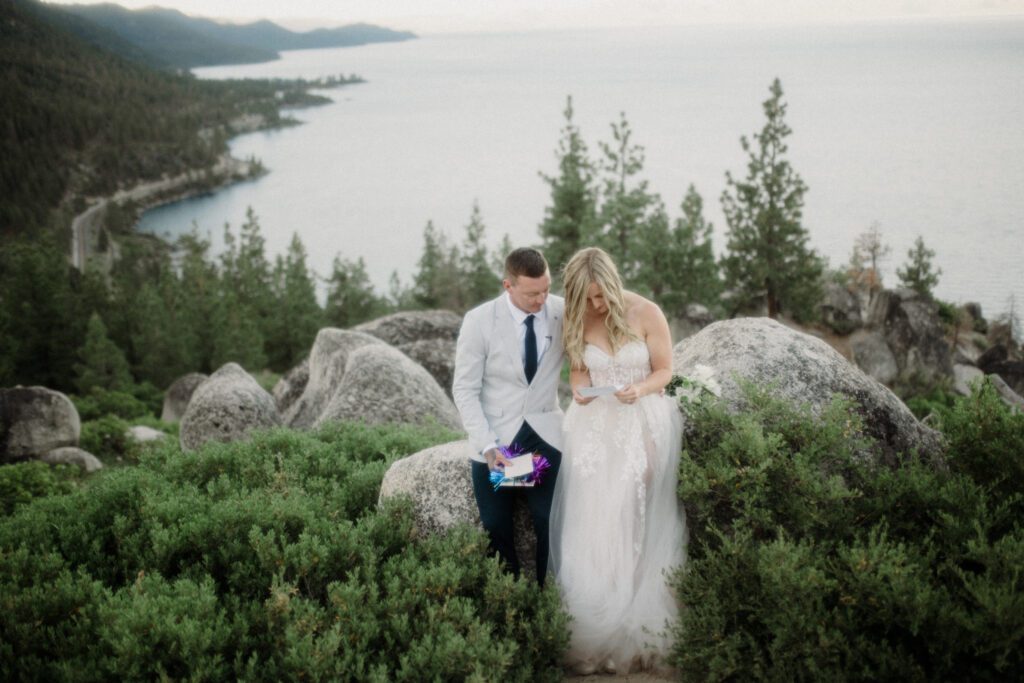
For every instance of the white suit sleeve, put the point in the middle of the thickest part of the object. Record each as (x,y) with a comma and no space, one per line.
(470,361)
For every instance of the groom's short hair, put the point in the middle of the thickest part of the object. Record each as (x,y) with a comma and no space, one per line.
(525,261)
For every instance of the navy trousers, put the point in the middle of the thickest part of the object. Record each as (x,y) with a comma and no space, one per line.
(496,506)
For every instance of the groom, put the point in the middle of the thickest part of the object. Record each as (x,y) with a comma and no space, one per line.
(508,362)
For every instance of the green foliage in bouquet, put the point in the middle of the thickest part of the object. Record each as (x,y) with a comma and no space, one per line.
(808,560)
(266,561)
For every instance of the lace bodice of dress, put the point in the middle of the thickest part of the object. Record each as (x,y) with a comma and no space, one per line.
(632,363)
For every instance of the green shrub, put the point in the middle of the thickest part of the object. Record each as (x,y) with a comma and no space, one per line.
(808,561)
(263,560)
(22,482)
(100,402)
(107,438)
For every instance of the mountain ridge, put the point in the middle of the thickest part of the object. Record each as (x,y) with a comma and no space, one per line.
(173,39)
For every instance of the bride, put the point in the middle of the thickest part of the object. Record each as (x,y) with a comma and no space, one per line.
(616,524)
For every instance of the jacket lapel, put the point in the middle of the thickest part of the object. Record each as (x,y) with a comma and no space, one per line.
(505,328)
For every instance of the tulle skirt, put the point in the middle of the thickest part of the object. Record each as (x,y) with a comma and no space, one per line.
(618,530)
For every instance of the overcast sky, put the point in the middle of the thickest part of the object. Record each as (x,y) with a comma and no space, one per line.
(443,16)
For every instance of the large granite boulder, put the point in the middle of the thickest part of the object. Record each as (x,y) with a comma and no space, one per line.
(409,326)
(226,407)
(382,385)
(872,355)
(804,370)
(914,333)
(438,482)
(695,319)
(72,455)
(34,421)
(179,394)
(840,308)
(437,356)
(327,362)
(290,387)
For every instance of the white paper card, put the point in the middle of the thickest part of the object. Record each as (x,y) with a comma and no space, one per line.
(589,392)
(519,466)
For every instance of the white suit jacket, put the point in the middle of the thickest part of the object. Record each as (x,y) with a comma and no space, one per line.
(490,387)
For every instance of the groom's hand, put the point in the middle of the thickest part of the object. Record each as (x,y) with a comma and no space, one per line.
(495,459)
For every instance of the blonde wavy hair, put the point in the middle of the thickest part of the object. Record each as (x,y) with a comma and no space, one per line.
(592,265)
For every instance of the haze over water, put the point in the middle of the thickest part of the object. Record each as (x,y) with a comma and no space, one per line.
(915,125)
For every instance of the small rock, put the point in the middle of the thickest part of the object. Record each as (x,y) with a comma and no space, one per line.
(144,434)
(72,455)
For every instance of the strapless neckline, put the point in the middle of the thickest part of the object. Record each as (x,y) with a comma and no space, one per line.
(612,355)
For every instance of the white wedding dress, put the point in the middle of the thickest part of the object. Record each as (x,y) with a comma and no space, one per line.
(617,528)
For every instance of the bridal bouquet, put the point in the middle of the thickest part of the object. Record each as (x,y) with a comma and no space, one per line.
(695,387)
(524,469)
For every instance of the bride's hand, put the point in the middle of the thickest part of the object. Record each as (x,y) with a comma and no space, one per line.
(629,394)
(581,400)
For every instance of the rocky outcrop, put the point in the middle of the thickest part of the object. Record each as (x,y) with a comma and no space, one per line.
(327,362)
(964,376)
(290,387)
(872,355)
(35,421)
(226,407)
(804,370)
(410,326)
(438,482)
(437,356)
(840,309)
(382,385)
(997,361)
(72,455)
(179,394)
(914,334)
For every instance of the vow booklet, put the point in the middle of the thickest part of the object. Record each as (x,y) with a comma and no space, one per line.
(519,466)
(589,392)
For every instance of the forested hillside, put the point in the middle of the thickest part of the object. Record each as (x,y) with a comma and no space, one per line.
(80,121)
(177,40)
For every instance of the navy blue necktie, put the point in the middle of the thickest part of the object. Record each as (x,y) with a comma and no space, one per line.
(531,350)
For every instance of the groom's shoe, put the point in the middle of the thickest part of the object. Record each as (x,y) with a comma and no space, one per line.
(609,666)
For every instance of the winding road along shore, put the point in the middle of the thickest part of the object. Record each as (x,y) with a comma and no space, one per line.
(85,226)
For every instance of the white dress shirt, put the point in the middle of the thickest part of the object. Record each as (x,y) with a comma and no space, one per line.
(540,328)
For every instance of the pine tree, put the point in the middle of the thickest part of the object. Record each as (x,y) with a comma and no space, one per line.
(198,292)
(236,333)
(570,222)
(686,264)
(865,262)
(436,283)
(101,363)
(629,214)
(350,295)
(767,251)
(918,273)
(298,316)
(479,281)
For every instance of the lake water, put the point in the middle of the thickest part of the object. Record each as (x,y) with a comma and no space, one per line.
(918,126)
